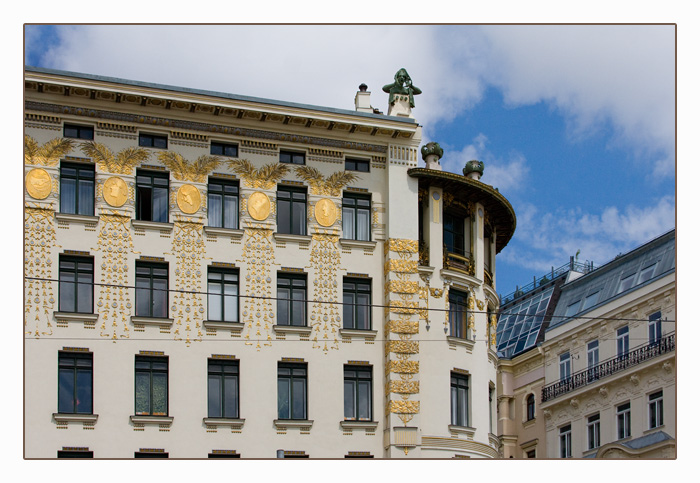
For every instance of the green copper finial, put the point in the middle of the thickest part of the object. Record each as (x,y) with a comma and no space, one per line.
(474,168)
(431,148)
(402,85)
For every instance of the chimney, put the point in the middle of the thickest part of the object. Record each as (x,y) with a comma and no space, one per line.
(362,103)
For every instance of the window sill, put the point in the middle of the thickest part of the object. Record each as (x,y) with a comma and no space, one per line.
(348,243)
(458,341)
(528,423)
(141,419)
(218,231)
(293,423)
(71,218)
(152,225)
(469,431)
(157,321)
(76,317)
(357,334)
(353,424)
(467,281)
(221,325)
(74,418)
(288,237)
(292,329)
(235,424)
(652,430)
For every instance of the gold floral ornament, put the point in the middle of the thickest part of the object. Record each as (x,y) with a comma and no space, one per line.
(320,185)
(38,183)
(48,154)
(188,199)
(325,211)
(123,162)
(184,170)
(264,178)
(115,191)
(259,206)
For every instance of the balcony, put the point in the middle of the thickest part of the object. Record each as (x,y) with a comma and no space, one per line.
(459,263)
(610,367)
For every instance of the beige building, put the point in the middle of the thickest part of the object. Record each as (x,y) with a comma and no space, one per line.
(212,275)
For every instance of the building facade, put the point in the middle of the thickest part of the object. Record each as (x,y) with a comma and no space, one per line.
(211,275)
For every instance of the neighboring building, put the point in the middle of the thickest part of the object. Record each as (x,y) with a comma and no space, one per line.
(211,275)
(606,365)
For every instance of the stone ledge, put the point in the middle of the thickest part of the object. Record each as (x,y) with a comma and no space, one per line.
(157,321)
(152,225)
(74,418)
(85,219)
(348,243)
(219,325)
(76,317)
(218,231)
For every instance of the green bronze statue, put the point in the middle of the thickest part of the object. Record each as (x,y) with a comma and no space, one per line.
(402,85)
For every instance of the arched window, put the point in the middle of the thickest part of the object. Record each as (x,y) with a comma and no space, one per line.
(530,407)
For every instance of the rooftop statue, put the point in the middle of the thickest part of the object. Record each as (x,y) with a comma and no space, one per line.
(402,85)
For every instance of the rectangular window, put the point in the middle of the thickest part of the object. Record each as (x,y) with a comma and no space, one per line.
(151,289)
(531,454)
(656,409)
(75,382)
(623,341)
(75,279)
(226,454)
(159,141)
(222,294)
(150,454)
(357,298)
(151,385)
(224,149)
(357,165)
(222,388)
(152,196)
(572,309)
(78,132)
(291,299)
(458,314)
(593,427)
(357,393)
(626,283)
(74,454)
(459,399)
(593,360)
(291,210)
(655,328)
(623,421)
(222,203)
(530,407)
(565,441)
(290,157)
(564,366)
(291,391)
(77,187)
(357,217)
(590,301)
(453,234)
(646,273)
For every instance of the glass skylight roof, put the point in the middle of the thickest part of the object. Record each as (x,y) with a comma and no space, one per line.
(519,325)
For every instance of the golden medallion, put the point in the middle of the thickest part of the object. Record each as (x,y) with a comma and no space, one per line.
(38,183)
(188,199)
(259,206)
(325,212)
(115,191)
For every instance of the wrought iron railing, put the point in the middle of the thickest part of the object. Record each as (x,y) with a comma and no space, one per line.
(554,273)
(610,367)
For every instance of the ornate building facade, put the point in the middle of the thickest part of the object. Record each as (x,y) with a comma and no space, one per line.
(212,275)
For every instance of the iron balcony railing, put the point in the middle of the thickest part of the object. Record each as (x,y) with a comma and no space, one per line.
(554,273)
(610,367)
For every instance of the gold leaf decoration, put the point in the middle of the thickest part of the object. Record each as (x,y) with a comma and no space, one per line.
(47,154)
(183,170)
(265,177)
(320,185)
(123,163)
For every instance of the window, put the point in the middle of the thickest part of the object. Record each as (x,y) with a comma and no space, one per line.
(572,309)
(656,409)
(625,283)
(74,454)
(487,248)
(153,141)
(150,454)
(459,399)
(292,158)
(655,328)
(291,391)
(222,388)
(646,273)
(79,132)
(357,298)
(222,295)
(224,149)
(590,301)
(291,210)
(593,359)
(151,386)
(357,217)
(623,341)
(291,299)
(75,277)
(530,407)
(222,203)
(593,426)
(458,314)
(531,454)
(453,234)
(152,196)
(77,189)
(151,289)
(623,421)
(223,454)
(357,165)
(564,366)
(565,441)
(357,393)
(75,383)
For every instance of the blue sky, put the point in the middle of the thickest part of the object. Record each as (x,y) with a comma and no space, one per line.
(576,124)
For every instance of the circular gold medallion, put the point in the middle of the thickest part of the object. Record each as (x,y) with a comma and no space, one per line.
(188,199)
(115,191)
(38,183)
(326,212)
(259,206)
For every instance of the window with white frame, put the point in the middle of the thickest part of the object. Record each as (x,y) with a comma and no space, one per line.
(459,397)
(623,341)
(656,409)
(593,426)
(624,415)
(593,359)
(655,328)
(565,441)
(530,407)
(564,366)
